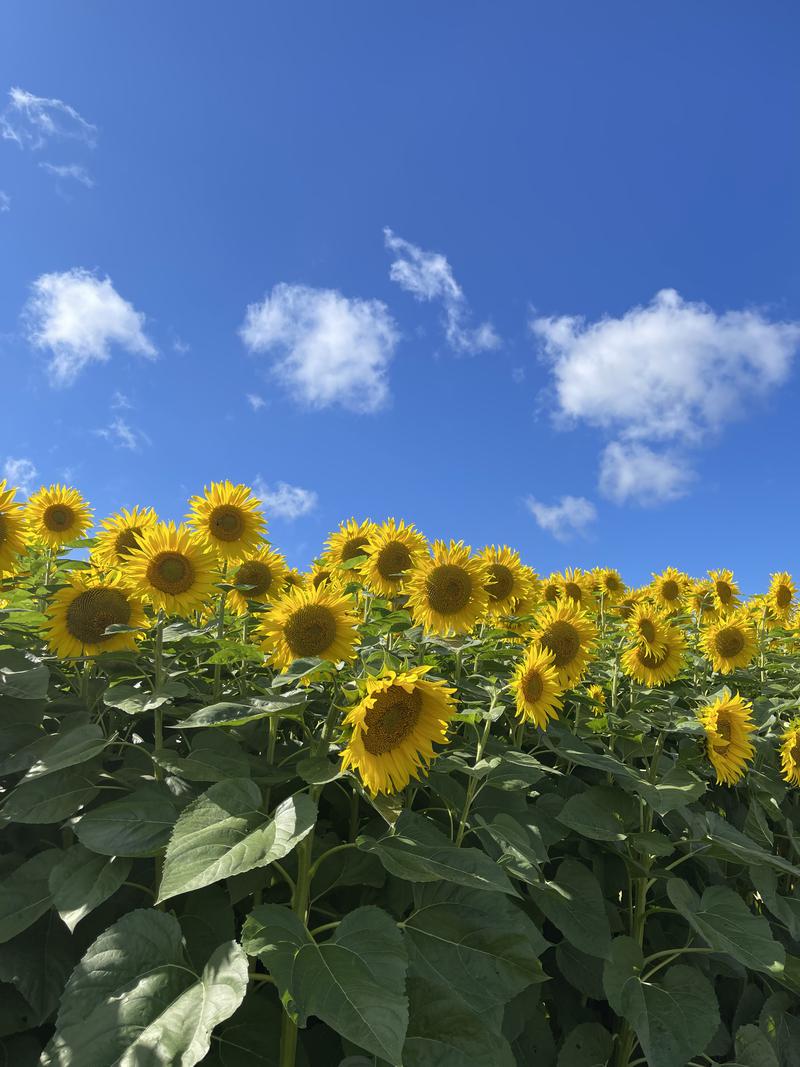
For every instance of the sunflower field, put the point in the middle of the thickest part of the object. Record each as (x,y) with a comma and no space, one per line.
(419,806)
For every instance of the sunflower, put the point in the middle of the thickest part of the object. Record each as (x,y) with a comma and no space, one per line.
(509,582)
(700,599)
(609,584)
(264,572)
(13,534)
(391,550)
(728,725)
(80,613)
(447,590)
(293,579)
(781,596)
(650,669)
(321,575)
(628,604)
(726,591)
(551,589)
(120,535)
(395,727)
(790,753)
(349,541)
(57,515)
(172,568)
(729,642)
(310,622)
(576,587)
(647,626)
(569,635)
(226,519)
(597,695)
(536,687)
(668,588)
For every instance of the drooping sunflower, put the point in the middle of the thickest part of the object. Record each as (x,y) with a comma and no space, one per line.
(790,753)
(726,591)
(120,535)
(57,515)
(701,601)
(597,695)
(227,520)
(447,590)
(730,642)
(569,635)
(293,579)
(349,541)
(728,725)
(668,589)
(172,569)
(265,574)
(551,589)
(536,687)
(648,627)
(395,727)
(391,550)
(609,584)
(628,604)
(80,613)
(509,582)
(321,574)
(781,596)
(576,587)
(653,670)
(13,534)
(310,622)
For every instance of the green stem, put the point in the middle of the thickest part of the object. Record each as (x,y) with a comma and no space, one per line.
(220,634)
(158,728)
(472,783)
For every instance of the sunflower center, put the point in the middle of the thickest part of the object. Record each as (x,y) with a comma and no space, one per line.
(449,589)
(647,630)
(171,572)
(627,608)
(393,560)
(3,529)
(795,754)
(256,574)
(723,736)
(724,592)
(310,630)
(127,541)
(729,642)
(58,517)
(92,611)
(783,596)
(612,583)
(563,640)
(501,582)
(670,589)
(391,719)
(226,523)
(652,660)
(532,686)
(319,578)
(573,591)
(551,593)
(354,547)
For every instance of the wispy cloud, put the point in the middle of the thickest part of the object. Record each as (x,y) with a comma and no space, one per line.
(285,501)
(331,349)
(571,515)
(121,434)
(630,471)
(31,121)
(429,276)
(255,401)
(20,472)
(120,402)
(5,202)
(78,317)
(72,171)
(181,347)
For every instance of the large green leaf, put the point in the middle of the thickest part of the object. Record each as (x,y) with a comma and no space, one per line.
(215,757)
(82,880)
(228,714)
(38,962)
(136,825)
(732,844)
(587,1045)
(25,893)
(23,680)
(224,833)
(441,1033)
(68,748)
(753,1048)
(275,934)
(133,999)
(723,919)
(573,901)
(786,909)
(54,797)
(252,1036)
(600,813)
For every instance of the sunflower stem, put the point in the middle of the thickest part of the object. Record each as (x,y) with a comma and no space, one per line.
(471,784)
(220,634)
(158,727)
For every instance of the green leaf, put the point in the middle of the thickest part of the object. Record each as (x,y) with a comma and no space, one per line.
(583,972)
(600,813)
(38,962)
(483,947)
(224,833)
(25,893)
(132,1000)
(134,700)
(418,852)
(588,1045)
(673,1019)
(786,909)
(573,901)
(677,789)
(442,1034)
(731,844)
(82,880)
(207,920)
(723,919)
(68,748)
(355,982)
(227,714)
(136,825)
(23,681)
(215,757)
(624,964)
(275,934)
(54,797)
(753,1048)
(318,770)
(251,1037)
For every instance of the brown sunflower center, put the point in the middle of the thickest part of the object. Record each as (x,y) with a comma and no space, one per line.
(651,660)
(795,754)
(127,541)
(354,547)
(729,642)
(501,583)
(648,630)
(723,739)
(532,686)
(320,577)
(670,590)
(393,560)
(95,609)
(310,630)
(58,517)
(627,608)
(3,528)
(724,592)
(256,574)
(551,592)
(226,523)
(573,591)
(449,589)
(783,596)
(563,640)
(170,572)
(391,719)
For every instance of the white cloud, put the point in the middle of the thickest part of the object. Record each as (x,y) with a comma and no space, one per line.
(119,401)
(181,347)
(285,501)
(255,401)
(518,375)
(20,472)
(571,515)
(32,120)
(121,434)
(70,170)
(5,202)
(630,471)
(78,317)
(331,349)
(428,276)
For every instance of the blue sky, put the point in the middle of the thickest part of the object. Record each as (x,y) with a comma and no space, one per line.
(498,367)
